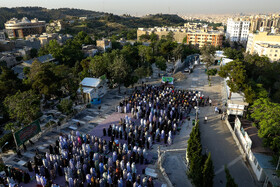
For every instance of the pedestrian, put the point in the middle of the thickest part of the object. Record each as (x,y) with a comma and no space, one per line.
(205,119)
(210,102)
(19,153)
(31,142)
(222,116)
(24,147)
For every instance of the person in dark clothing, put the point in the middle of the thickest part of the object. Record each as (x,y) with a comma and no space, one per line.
(24,147)
(51,149)
(31,142)
(29,166)
(26,178)
(19,153)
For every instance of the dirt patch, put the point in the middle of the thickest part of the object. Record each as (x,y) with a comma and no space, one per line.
(179,76)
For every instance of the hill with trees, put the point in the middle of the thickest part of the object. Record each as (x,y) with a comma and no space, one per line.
(43,13)
(99,24)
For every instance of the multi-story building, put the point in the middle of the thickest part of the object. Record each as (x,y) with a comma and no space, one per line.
(103,44)
(20,28)
(185,35)
(237,30)
(265,22)
(264,43)
(55,26)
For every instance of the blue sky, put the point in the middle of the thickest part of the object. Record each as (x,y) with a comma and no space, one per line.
(141,7)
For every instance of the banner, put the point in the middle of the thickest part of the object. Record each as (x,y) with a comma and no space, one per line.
(169,79)
(27,132)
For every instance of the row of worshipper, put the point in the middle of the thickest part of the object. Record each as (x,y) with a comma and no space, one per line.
(156,96)
(143,135)
(89,160)
(14,176)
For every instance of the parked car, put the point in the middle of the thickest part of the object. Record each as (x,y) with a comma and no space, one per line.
(187,70)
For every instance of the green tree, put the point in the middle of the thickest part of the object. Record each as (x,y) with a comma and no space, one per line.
(230,180)
(233,53)
(119,70)
(67,80)
(208,172)
(141,72)
(131,55)
(131,34)
(165,48)
(9,83)
(12,126)
(33,53)
(23,107)
(194,150)
(98,67)
(154,37)
(145,53)
(178,52)
(266,115)
(161,63)
(170,36)
(43,80)
(236,72)
(144,37)
(208,54)
(65,106)
(211,72)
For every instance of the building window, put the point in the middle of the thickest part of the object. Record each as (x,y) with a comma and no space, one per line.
(255,161)
(259,168)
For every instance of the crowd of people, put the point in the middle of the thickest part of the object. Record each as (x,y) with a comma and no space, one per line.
(158,110)
(14,176)
(85,160)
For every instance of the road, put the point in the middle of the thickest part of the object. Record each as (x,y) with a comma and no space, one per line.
(215,136)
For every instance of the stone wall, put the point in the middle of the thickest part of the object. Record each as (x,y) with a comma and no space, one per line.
(161,157)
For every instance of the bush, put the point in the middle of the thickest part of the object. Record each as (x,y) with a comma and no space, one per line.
(7,138)
(2,167)
(161,63)
(65,106)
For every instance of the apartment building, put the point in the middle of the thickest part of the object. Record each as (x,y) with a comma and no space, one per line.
(265,22)
(189,36)
(272,51)
(237,30)
(264,43)
(103,44)
(20,28)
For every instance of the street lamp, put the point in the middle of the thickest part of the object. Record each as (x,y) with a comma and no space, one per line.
(3,146)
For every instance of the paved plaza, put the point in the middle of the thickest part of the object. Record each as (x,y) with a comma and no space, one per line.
(216,137)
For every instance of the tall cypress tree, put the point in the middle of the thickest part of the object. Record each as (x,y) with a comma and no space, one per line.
(230,179)
(208,172)
(195,158)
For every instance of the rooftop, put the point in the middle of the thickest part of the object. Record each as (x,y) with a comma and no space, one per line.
(268,45)
(257,144)
(90,82)
(42,59)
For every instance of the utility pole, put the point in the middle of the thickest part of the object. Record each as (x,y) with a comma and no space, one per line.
(15,139)
(277,167)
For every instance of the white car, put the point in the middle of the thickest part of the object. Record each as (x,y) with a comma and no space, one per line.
(187,70)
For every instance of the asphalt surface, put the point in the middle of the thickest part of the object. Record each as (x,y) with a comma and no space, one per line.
(215,136)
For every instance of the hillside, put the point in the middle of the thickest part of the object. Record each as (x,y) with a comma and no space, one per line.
(100,25)
(42,13)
